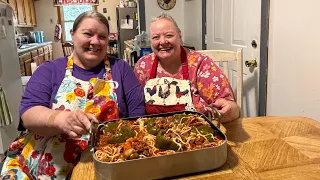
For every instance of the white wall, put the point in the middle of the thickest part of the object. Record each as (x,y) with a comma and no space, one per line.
(193,23)
(111,6)
(152,10)
(187,14)
(294,59)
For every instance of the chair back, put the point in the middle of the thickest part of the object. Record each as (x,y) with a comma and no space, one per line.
(225,57)
(67,48)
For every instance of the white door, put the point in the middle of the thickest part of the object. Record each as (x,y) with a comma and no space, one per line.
(233,24)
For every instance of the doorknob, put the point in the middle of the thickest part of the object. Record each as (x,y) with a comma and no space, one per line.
(251,63)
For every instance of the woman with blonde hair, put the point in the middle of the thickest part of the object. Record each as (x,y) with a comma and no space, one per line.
(178,79)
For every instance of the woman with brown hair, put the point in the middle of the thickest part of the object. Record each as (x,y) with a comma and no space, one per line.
(63,96)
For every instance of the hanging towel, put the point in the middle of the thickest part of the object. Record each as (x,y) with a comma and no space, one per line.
(5,115)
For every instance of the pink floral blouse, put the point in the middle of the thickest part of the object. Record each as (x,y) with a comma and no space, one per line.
(208,82)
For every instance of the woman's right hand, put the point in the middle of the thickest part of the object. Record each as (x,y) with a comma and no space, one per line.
(74,123)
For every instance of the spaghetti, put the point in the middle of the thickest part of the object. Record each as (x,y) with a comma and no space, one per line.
(146,137)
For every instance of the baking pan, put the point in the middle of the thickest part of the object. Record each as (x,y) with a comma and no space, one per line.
(158,167)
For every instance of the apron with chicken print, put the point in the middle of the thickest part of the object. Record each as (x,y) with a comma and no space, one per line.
(167,94)
(36,157)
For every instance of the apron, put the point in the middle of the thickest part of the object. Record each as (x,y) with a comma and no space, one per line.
(36,157)
(167,94)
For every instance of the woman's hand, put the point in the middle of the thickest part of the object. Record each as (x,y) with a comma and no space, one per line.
(74,123)
(229,109)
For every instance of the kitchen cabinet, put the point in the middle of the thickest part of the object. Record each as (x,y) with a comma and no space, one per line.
(26,60)
(21,13)
(37,55)
(27,65)
(33,13)
(25,12)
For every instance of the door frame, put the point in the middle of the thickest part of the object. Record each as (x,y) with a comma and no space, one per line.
(264,37)
(142,15)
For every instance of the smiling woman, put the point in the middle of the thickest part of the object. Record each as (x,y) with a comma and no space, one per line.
(63,96)
(179,79)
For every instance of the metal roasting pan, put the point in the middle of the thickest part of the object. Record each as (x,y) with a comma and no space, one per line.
(166,166)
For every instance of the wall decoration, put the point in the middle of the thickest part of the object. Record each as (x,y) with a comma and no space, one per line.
(166,4)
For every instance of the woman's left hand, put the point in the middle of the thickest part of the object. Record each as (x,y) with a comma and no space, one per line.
(229,109)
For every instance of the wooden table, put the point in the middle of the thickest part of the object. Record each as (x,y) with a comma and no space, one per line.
(258,148)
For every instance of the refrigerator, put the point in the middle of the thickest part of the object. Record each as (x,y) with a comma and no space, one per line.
(127,26)
(10,78)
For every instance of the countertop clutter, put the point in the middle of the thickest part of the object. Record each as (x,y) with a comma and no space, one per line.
(258,148)
(32,46)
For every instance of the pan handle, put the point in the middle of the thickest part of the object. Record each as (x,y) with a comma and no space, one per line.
(92,131)
(217,113)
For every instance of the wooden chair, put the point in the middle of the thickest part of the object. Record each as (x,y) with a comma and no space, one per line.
(67,48)
(225,57)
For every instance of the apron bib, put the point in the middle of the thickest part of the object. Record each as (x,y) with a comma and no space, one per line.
(36,157)
(167,94)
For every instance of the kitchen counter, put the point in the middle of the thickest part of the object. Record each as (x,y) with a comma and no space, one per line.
(258,148)
(32,46)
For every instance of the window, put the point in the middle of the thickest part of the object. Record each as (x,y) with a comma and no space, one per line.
(69,14)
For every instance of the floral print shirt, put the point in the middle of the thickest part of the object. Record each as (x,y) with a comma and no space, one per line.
(208,83)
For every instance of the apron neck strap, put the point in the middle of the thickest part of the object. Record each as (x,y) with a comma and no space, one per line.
(70,62)
(184,64)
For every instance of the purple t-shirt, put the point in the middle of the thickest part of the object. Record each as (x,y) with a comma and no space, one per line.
(45,82)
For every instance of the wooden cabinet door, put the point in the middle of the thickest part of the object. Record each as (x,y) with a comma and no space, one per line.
(27,65)
(41,58)
(22,69)
(46,57)
(33,13)
(27,12)
(21,12)
(36,59)
(51,55)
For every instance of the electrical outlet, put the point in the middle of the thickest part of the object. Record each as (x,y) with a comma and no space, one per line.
(104,10)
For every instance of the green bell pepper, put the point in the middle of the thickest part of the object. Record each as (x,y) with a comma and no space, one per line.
(177,118)
(122,135)
(151,128)
(109,127)
(204,130)
(164,143)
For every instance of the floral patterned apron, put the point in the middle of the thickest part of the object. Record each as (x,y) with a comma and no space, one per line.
(36,157)
(167,94)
